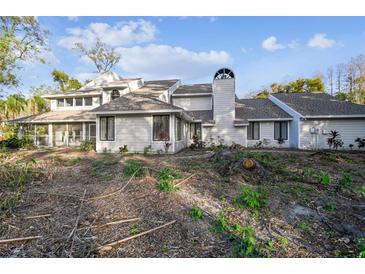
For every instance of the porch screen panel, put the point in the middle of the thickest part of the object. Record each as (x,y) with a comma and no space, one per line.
(74,134)
(161,128)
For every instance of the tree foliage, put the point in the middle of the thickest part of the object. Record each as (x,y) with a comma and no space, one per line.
(104,58)
(21,39)
(64,81)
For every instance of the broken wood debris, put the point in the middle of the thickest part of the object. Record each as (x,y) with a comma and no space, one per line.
(113,223)
(108,247)
(8,241)
(185,180)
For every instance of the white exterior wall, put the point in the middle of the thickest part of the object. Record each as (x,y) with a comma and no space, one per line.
(193,102)
(136,132)
(224,113)
(349,130)
(267,133)
(294,124)
(209,134)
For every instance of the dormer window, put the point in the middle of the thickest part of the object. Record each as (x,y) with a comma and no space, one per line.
(115,94)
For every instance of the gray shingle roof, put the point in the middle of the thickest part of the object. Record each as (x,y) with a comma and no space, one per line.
(135,102)
(194,89)
(204,115)
(156,87)
(58,116)
(258,109)
(319,104)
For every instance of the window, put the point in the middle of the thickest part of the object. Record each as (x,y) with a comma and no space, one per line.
(178,129)
(88,101)
(253,131)
(161,128)
(69,102)
(107,128)
(115,94)
(78,102)
(196,129)
(60,102)
(281,130)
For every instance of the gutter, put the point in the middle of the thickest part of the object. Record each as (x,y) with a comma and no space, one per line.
(333,116)
(137,111)
(191,94)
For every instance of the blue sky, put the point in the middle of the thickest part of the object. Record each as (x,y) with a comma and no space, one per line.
(260,50)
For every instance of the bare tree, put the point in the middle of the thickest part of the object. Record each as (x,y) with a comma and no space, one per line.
(330,73)
(340,70)
(104,58)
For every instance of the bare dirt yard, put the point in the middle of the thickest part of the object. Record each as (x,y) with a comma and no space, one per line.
(281,204)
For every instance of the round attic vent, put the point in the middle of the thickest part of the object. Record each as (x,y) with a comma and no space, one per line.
(115,94)
(224,73)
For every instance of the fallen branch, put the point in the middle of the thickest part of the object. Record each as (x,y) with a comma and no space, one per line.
(38,216)
(78,216)
(185,180)
(109,246)
(113,223)
(116,191)
(7,241)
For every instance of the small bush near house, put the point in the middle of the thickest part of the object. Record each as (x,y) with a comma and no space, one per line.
(16,143)
(334,141)
(133,167)
(123,150)
(196,213)
(147,150)
(360,142)
(251,199)
(87,145)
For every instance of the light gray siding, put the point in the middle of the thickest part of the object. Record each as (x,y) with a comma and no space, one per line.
(349,130)
(136,131)
(193,103)
(267,135)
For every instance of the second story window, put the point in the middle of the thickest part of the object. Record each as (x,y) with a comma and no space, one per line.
(115,94)
(78,102)
(88,101)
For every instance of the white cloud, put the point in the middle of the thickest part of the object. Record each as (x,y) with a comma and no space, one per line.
(271,44)
(120,34)
(83,76)
(73,18)
(164,61)
(319,40)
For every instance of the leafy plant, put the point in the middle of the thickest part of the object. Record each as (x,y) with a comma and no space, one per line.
(15,143)
(249,198)
(325,178)
(345,180)
(247,245)
(196,213)
(361,246)
(329,207)
(87,145)
(283,242)
(147,150)
(334,140)
(134,229)
(123,150)
(308,172)
(166,186)
(304,226)
(166,177)
(197,143)
(221,223)
(360,142)
(133,167)
(362,191)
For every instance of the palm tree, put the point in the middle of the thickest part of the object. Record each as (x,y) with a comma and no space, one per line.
(14,105)
(37,104)
(2,109)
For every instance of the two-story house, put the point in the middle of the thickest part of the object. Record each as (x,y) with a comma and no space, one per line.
(113,111)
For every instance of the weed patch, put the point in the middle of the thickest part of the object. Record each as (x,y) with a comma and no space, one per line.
(166,177)
(251,199)
(133,167)
(196,213)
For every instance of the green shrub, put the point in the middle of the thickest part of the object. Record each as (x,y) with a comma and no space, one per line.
(166,177)
(133,167)
(325,178)
(329,207)
(304,227)
(16,143)
(87,145)
(249,198)
(362,191)
(361,246)
(308,172)
(147,150)
(166,186)
(196,213)
(345,180)
(221,223)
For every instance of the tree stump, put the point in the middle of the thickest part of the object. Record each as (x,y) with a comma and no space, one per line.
(248,164)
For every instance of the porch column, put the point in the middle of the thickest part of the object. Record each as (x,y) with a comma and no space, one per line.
(66,135)
(35,135)
(172,132)
(83,131)
(50,135)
